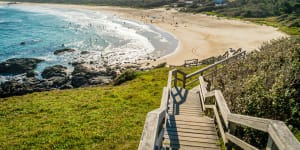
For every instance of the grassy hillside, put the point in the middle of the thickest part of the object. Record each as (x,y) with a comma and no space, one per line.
(109,117)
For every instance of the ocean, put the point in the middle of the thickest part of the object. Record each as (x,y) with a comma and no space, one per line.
(37,31)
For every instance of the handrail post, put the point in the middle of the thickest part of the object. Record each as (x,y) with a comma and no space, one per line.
(230,130)
(184,81)
(270,144)
(175,78)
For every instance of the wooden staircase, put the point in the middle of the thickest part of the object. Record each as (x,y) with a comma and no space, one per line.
(186,127)
(179,122)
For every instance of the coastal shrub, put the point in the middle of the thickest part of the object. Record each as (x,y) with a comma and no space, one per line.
(161,65)
(266,84)
(125,76)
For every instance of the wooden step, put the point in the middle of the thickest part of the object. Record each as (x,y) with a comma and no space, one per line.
(184,134)
(185,113)
(195,114)
(183,147)
(190,123)
(187,110)
(178,144)
(190,112)
(185,106)
(191,127)
(190,119)
(175,139)
(208,132)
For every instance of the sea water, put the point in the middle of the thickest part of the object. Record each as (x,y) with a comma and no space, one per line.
(37,31)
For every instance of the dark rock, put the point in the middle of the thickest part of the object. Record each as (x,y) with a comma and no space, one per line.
(79,81)
(100,80)
(84,52)
(58,82)
(23,43)
(13,87)
(62,51)
(18,65)
(31,74)
(66,86)
(54,71)
(81,70)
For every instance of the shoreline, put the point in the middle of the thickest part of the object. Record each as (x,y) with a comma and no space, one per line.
(199,36)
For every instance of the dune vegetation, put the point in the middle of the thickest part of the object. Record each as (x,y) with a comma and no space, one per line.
(266,84)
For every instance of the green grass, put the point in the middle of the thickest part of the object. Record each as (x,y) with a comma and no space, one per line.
(108,117)
(271,21)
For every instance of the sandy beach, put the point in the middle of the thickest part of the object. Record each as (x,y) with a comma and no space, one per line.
(200,36)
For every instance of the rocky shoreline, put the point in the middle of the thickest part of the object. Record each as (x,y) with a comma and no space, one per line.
(54,77)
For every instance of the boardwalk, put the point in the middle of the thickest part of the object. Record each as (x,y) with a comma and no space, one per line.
(180,122)
(186,127)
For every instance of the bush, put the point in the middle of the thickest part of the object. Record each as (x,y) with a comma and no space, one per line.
(162,65)
(125,76)
(266,84)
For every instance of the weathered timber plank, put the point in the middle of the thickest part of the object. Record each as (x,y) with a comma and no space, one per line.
(189,114)
(209,132)
(165,98)
(210,94)
(203,86)
(222,106)
(282,136)
(193,127)
(190,123)
(185,106)
(191,119)
(252,122)
(183,147)
(185,134)
(178,144)
(151,127)
(220,126)
(187,109)
(200,140)
(239,142)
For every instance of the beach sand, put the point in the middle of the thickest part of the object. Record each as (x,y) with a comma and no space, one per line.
(200,36)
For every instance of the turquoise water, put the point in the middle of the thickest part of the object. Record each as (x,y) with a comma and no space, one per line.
(106,37)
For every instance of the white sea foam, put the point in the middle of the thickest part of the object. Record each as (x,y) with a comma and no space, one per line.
(135,47)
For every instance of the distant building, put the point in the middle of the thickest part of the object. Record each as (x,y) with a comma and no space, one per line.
(219,1)
(186,3)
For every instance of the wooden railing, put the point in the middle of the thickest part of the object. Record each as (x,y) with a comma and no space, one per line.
(211,60)
(280,137)
(156,120)
(189,79)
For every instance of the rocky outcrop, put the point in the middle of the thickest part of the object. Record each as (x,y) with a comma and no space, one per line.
(18,65)
(63,51)
(54,71)
(56,77)
(84,76)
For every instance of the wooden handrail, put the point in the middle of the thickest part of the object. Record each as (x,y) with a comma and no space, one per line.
(156,120)
(279,134)
(199,72)
(185,77)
